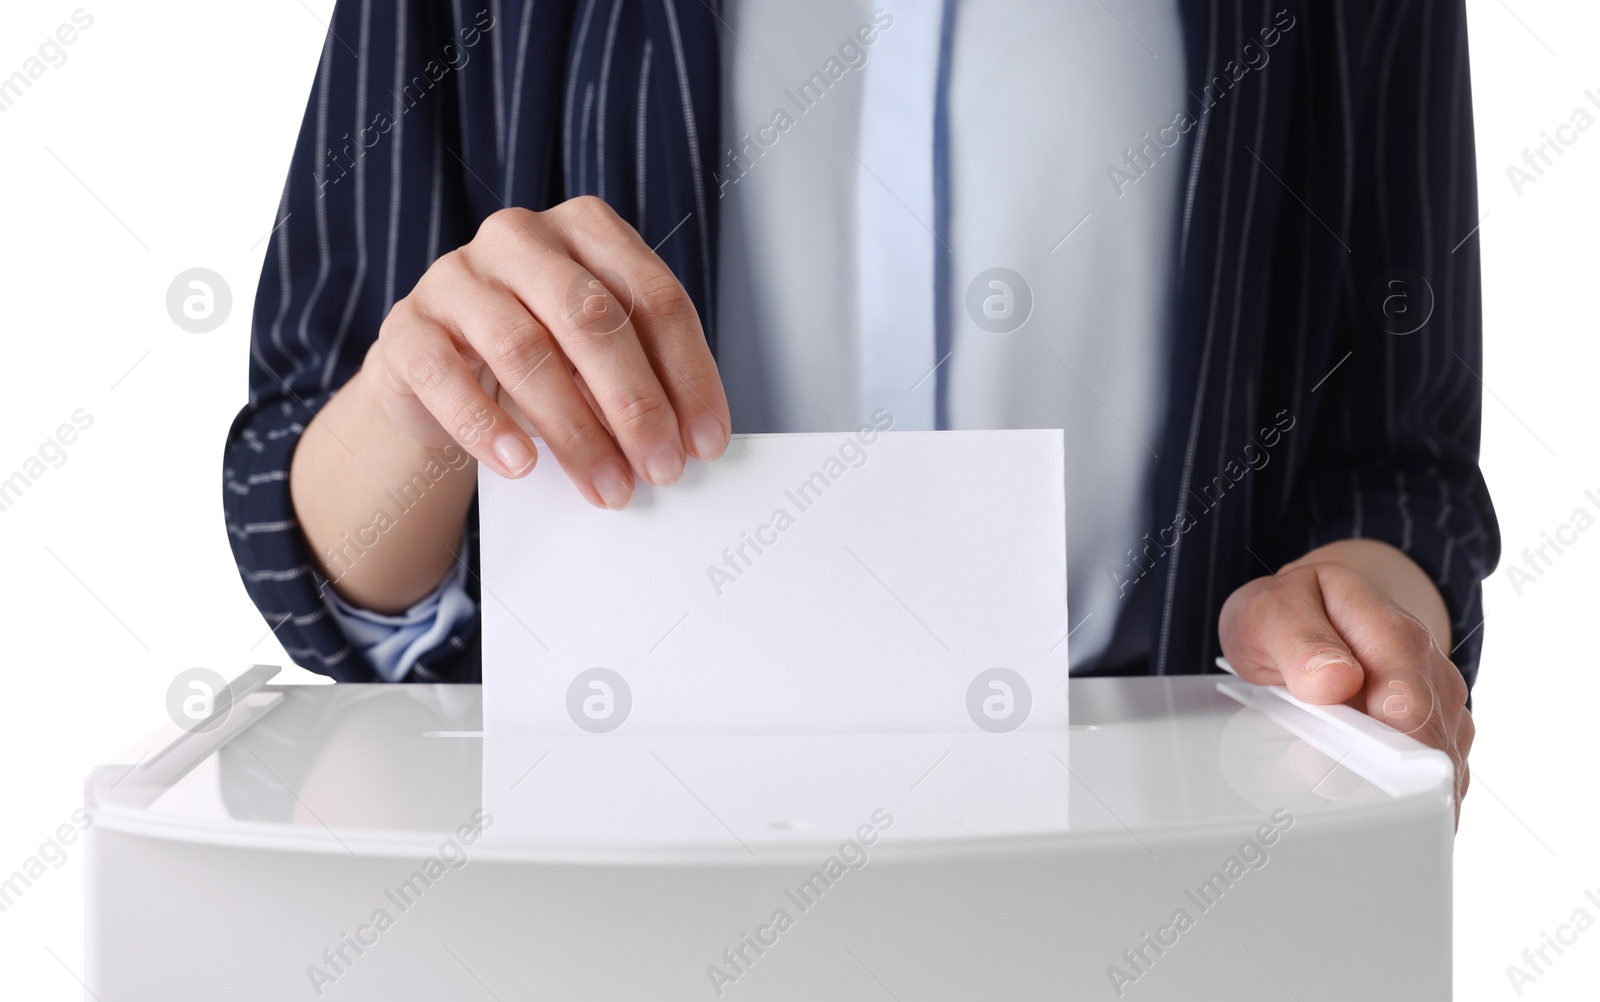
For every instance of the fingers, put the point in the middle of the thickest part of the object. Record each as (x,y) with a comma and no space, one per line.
(526,254)
(431,394)
(1411,685)
(1330,634)
(1423,696)
(566,325)
(662,316)
(532,373)
(1276,630)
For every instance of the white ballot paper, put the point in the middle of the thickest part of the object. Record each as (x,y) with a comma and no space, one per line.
(844,583)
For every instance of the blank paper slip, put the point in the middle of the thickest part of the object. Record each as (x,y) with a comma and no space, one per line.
(875,582)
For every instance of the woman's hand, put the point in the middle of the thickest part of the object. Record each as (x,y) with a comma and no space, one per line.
(1356,622)
(559,323)
(566,324)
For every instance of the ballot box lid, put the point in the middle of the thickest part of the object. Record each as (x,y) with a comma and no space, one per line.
(397,770)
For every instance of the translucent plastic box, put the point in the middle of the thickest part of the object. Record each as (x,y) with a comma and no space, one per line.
(1188,837)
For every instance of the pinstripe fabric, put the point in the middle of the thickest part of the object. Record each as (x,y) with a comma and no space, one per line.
(1323,171)
(425,117)
(1348,155)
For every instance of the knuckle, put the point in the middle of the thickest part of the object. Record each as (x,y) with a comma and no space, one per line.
(1302,572)
(582,438)
(1268,596)
(639,411)
(1238,603)
(449,269)
(403,316)
(428,369)
(589,207)
(662,297)
(590,307)
(1414,635)
(701,384)
(520,346)
(583,214)
(503,225)
(1239,612)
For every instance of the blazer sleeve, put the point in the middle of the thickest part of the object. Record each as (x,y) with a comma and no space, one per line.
(371,199)
(1394,453)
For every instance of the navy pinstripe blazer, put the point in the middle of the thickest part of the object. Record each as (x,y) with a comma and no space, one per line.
(1310,183)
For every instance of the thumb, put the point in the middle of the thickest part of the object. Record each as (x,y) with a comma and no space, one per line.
(1276,631)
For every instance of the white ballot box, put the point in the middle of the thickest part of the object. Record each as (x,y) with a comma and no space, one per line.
(1184,837)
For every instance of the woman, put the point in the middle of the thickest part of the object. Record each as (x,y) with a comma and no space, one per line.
(1228,250)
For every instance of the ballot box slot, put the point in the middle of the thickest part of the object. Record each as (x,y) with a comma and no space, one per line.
(143,772)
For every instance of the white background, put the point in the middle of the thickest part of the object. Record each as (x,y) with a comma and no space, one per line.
(160,145)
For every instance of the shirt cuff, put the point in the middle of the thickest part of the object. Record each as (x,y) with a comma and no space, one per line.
(394,643)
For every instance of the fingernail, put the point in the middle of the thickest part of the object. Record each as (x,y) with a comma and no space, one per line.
(706,437)
(1322,661)
(611,483)
(664,466)
(513,452)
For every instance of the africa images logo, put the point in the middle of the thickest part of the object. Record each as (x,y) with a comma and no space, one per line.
(999,700)
(599,700)
(1400,301)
